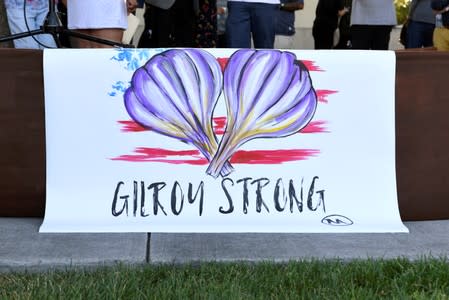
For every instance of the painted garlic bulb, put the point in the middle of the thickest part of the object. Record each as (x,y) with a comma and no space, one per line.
(268,94)
(175,93)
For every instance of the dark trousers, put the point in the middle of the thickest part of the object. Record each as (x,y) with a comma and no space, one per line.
(419,34)
(323,36)
(246,18)
(174,27)
(375,37)
(221,40)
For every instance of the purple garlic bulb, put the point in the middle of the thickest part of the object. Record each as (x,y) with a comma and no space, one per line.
(175,93)
(268,94)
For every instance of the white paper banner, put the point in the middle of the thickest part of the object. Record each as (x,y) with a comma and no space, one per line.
(142,140)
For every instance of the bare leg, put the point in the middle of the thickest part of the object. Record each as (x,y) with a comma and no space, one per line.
(80,43)
(111,34)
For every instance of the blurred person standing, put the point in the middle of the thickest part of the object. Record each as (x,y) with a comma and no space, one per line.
(222,14)
(326,22)
(256,18)
(285,23)
(420,25)
(36,12)
(344,28)
(105,19)
(441,32)
(169,23)
(371,23)
(206,24)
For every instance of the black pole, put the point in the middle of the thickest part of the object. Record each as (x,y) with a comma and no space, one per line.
(52,19)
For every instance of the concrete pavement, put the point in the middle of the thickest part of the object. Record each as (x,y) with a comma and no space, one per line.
(23,248)
(428,238)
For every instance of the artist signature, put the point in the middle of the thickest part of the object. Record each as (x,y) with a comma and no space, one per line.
(337,220)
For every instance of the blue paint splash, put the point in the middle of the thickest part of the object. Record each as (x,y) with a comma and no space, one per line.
(131,60)
(118,87)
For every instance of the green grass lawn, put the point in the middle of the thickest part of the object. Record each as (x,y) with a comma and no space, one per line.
(372,279)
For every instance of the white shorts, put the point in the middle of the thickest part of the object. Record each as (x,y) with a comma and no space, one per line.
(96,14)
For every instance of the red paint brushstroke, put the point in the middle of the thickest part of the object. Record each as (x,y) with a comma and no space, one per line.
(312,127)
(315,127)
(272,157)
(322,95)
(311,66)
(131,126)
(142,154)
(160,152)
(223,61)
(136,158)
(219,124)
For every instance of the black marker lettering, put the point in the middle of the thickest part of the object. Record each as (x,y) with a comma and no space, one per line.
(310,196)
(142,200)
(174,198)
(277,204)
(135,194)
(157,186)
(192,198)
(245,193)
(261,182)
(293,197)
(228,196)
(116,213)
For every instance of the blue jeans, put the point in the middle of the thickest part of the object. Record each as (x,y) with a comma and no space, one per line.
(35,19)
(419,34)
(244,19)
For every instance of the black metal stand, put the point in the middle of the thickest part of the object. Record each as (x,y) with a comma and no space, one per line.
(53,25)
